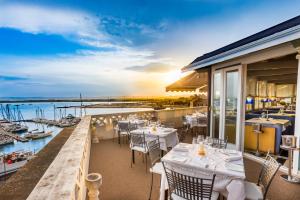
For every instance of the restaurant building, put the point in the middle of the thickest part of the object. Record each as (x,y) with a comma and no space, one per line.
(252,82)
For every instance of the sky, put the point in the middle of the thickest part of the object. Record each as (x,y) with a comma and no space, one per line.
(103,48)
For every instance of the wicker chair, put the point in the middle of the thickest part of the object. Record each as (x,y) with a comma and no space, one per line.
(259,190)
(138,143)
(185,187)
(266,176)
(155,156)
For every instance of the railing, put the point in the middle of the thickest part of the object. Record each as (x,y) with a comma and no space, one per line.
(64,179)
(104,127)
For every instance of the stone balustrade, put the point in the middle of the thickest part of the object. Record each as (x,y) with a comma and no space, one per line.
(65,177)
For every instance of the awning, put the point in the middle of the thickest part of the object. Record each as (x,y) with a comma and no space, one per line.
(190,83)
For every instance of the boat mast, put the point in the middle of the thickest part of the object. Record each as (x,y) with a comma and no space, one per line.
(81,105)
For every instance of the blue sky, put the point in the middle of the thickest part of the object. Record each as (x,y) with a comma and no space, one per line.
(118,47)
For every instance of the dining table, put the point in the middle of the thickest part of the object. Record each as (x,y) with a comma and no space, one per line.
(137,122)
(192,120)
(227,165)
(167,136)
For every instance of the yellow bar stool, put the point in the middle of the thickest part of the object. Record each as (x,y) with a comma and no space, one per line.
(257,129)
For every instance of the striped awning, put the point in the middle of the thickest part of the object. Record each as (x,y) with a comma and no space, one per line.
(190,83)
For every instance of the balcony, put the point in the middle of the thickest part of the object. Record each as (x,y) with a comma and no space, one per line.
(64,178)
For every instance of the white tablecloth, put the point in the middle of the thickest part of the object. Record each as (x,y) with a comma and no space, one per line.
(192,120)
(190,163)
(138,122)
(167,136)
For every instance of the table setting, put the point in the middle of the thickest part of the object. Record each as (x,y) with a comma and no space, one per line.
(167,136)
(192,119)
(200,158)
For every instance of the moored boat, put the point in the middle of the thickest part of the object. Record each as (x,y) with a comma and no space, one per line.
(41,135)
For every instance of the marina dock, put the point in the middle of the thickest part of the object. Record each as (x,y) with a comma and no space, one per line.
(11,136)
(16,137)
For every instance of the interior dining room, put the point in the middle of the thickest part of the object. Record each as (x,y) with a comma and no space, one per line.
(271,88)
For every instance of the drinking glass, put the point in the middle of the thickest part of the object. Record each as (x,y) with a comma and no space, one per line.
(195,140)
(200,138)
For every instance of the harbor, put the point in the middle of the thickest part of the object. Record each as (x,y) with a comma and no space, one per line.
(42,121)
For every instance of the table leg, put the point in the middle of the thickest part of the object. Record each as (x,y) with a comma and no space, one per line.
(289,177)
(133,159)
(290,164)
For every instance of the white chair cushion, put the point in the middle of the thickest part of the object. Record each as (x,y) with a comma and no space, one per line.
(157,168)
(214,196)
(140,149)
(124,133)
(253,191)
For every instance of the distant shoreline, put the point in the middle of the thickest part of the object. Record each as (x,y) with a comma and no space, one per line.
(113,99)
(58,100)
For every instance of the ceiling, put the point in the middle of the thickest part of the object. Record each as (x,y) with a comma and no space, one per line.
(281,70)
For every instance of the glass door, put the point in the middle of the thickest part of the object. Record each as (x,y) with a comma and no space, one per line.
(226,102)
(216,106)
(231,105)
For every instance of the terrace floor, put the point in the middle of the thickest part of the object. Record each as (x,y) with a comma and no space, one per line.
(120,181)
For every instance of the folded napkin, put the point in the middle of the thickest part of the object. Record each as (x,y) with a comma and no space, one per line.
(234,167)
(181,149)
(178,158)
(233,158)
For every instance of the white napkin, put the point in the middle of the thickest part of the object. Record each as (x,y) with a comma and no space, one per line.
(234,167)
(178,158)
(180,149)
(233,158)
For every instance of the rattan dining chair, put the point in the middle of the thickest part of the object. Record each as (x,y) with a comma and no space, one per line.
(185,187)
(259,190)
(266,176)
(138,143)
(155,156)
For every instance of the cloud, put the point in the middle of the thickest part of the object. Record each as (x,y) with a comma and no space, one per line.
(12,78)
(72,24)
(94,73)
(154,67)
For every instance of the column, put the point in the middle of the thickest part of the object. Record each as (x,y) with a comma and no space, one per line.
(296,160)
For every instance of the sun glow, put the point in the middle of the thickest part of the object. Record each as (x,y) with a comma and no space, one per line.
(172,76)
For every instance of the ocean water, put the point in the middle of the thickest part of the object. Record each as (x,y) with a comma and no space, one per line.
(28,111)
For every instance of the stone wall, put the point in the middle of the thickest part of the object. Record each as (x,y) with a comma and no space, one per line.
(64,179)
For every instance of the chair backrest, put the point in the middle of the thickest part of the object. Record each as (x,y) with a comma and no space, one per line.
(267,173)
(202,120)
(123,126)
(188,187)
(154,151)
(132,126)
(138,140)
(219,143)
